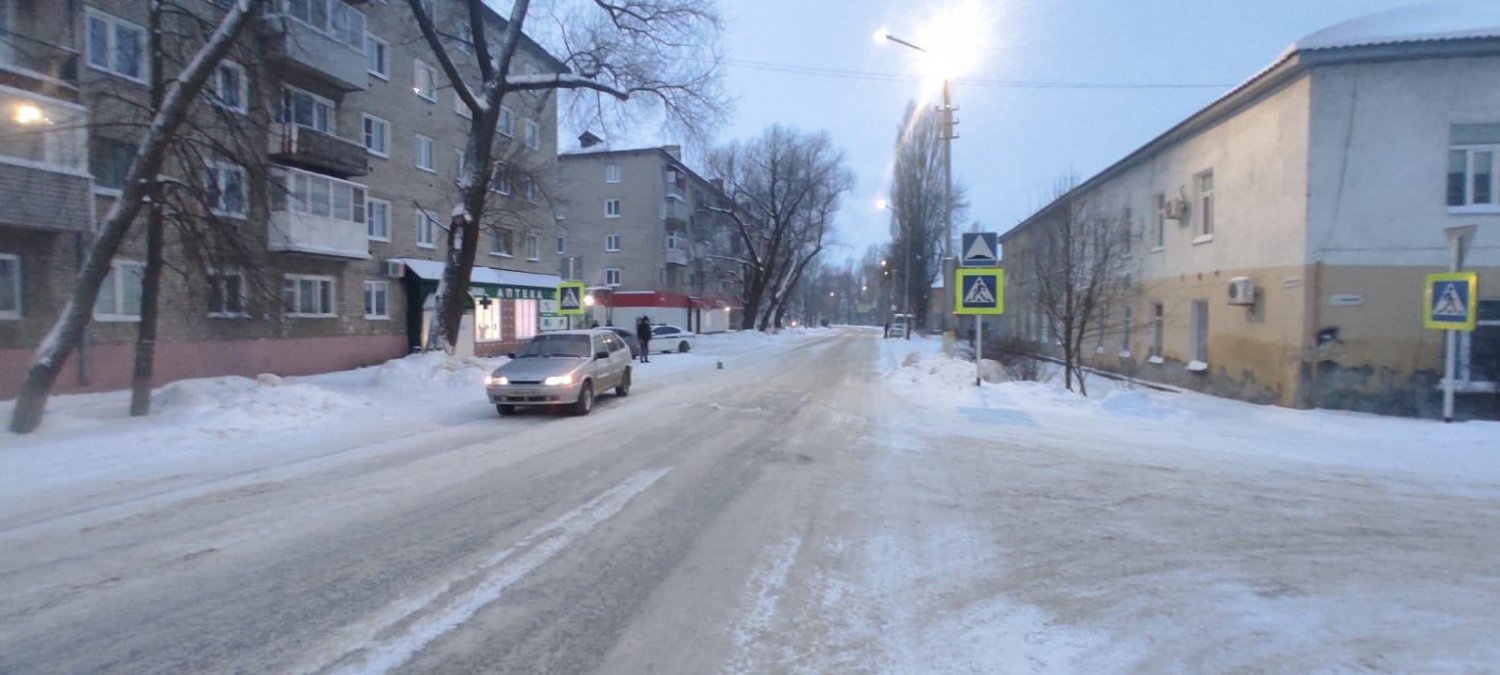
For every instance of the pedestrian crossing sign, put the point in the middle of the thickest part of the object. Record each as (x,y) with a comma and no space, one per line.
(979,290)
(570,298)
(1451,301)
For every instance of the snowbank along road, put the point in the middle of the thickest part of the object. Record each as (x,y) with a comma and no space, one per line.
(814,507)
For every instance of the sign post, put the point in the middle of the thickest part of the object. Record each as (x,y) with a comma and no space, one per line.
(570,299)
(982,250)
(978,292)
(1451,304)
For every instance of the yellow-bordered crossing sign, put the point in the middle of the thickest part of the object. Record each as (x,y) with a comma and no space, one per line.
(1451,301)
(570,298)
(979,290)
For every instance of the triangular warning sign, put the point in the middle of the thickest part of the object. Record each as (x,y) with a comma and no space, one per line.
(980,250)
(569,299)
(1450,303)
(979,293)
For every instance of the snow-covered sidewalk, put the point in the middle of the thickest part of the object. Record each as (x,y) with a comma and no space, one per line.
(1022,528)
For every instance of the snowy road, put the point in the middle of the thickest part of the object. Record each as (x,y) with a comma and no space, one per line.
(813,507)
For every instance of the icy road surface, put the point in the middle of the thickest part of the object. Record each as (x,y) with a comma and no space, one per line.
(814,507)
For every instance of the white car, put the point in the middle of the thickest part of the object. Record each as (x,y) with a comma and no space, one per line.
(672,339)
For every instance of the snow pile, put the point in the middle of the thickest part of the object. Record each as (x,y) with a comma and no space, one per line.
(434,369)
(1138,404)
(936,371)
(240,404)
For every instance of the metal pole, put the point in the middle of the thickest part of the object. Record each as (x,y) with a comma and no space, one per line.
(1450,337)
(978,350)
(947,196)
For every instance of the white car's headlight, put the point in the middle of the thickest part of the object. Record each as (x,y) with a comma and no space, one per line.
(558,381)
(496,381)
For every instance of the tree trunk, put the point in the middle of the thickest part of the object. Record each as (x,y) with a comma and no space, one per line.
(145,341)
(66,332)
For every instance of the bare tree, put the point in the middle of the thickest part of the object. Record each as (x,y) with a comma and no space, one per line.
(661,53)
(788,186)
(917,203)
(1073,267)
(67,330)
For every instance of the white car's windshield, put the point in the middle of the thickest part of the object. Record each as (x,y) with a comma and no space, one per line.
(556,345)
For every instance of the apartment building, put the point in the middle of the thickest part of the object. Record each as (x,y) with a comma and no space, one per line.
(1277,240)
(347,141)
(650,234)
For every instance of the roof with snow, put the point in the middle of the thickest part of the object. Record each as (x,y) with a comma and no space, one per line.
(1419,23)
(432,270)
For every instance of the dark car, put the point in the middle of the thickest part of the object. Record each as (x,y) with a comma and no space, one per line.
(629,337)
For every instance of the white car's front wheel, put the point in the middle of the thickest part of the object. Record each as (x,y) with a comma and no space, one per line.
(585,402)
(683,347)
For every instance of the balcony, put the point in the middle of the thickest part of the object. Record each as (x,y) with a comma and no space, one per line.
(308,50)
(675,211)
(318,235)
(44,179)
(312,149)
(677,256)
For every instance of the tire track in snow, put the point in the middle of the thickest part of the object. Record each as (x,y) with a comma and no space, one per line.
(405,627)
(762,594)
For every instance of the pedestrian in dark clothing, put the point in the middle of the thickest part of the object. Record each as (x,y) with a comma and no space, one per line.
(887,329)
(643,335)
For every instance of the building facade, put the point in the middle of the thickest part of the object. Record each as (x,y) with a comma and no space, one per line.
(335,144)
(651,235)
(1277,241)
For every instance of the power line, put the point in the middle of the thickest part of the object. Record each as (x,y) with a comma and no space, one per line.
(871,76)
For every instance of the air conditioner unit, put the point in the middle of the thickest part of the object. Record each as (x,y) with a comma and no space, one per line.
(1242,291)
(394,269)
(1177,209)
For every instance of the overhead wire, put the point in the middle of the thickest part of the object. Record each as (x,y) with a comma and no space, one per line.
(872,76)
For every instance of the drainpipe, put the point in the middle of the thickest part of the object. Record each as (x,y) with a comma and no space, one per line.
(1312,335)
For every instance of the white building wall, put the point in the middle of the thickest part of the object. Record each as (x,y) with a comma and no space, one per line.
(1380,158)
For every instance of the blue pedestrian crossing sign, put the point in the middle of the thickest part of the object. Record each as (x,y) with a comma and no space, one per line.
(979,290)
(1451,301)
(570,298)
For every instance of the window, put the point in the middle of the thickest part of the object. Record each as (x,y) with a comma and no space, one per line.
(612,276)
(1200,331)
(422,153)
(1158,317)
(226,294)
(231,89)
(307,296)
(119,296)
(332,17)
(426,229)
(532,192)
(612,173)
(533,247)
(378,219)
(506,122)
(110,160)
(527,312)
(377,136)
(674,241)
(116,46)
(612,242)
(1159,234)
(533,135)
(460,108)
(460,162)
(500,180)
(376,293)
(424,80)
(377,57)
(325,197)
(226,183)
(10,286)
(488,325)
(1478,351)
(612,208)
(1206,200)
(505,242)
(306,109)
(562,244)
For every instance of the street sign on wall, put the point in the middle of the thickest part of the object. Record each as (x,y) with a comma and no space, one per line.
(570,298)
(980,249)
(1451,301)
(979,291)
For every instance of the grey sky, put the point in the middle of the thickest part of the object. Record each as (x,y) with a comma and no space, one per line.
(1014,142)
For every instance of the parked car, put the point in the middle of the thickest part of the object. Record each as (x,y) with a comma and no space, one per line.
(629,337)
(562,369)
(672,339)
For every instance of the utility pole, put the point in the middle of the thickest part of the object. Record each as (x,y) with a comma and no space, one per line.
(948,259)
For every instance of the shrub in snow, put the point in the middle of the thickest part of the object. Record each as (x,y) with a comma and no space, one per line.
(268,379)
(992,371)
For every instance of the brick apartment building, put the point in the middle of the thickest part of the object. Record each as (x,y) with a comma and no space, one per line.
(642,229)
(354,143)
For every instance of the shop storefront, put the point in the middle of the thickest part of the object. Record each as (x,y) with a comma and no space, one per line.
(505,308)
